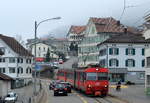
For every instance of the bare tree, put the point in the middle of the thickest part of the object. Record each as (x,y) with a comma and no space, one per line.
(20,40)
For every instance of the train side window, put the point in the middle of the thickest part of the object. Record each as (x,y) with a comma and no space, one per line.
(84,76)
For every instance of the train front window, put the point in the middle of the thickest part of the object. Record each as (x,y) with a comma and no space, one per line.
(102,76)
(91,76)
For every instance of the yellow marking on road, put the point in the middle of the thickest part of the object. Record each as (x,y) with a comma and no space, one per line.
(122,86)
(83,100)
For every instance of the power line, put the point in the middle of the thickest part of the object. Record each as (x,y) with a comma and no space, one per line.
(141,17)
(124,8)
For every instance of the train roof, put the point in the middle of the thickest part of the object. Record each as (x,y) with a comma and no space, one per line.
(94,69)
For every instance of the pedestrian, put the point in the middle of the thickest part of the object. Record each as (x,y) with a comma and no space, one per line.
(118,86)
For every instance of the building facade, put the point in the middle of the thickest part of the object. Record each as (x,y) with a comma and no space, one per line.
(124,55)
(97,30)
(146,34)
(16,61)
(76,34)
(41,51)
(5,84)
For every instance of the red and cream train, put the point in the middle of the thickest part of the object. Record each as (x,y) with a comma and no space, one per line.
(92,81)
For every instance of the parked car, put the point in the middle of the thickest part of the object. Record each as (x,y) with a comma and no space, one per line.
(61,61)
(52,85)
(11,97)
(60,89)
(55,65)
(68,86)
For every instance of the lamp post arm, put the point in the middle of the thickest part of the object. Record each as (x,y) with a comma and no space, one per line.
(47,20)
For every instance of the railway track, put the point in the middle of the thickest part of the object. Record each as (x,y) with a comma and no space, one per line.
(110,99)
(103,100)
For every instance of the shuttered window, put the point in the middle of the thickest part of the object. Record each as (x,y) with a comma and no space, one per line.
(130,51)
(143,51)
(113,62)
(143,63)
(113,51)
(130,63)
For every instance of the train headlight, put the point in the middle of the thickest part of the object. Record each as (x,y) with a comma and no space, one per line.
(89,86)
(105,86)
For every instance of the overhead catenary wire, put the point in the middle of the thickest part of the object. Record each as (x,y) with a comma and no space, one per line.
(124,8)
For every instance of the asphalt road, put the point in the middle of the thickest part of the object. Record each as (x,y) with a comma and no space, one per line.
(76,97)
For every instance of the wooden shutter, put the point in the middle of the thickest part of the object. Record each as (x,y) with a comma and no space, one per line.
(133,51)
(110,51)
(126,63)
(126,51)
(110,63)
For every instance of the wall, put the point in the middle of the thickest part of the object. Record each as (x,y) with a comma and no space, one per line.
(4,87)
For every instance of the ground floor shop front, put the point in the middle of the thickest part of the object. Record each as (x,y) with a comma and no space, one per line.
(124,75)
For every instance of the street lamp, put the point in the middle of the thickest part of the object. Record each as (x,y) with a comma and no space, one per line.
(36,27)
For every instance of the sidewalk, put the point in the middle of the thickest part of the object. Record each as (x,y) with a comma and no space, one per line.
(133,94)
(25,93)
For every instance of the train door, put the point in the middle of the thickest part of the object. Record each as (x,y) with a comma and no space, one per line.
(81,80)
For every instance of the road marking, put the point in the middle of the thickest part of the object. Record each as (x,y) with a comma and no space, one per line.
(83,100)
(122,86)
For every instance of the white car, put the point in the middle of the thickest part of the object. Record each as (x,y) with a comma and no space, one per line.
(11,97)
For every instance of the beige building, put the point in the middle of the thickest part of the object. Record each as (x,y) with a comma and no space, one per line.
(5,84)
(76,34)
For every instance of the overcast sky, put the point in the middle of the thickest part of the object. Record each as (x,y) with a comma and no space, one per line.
(17,16)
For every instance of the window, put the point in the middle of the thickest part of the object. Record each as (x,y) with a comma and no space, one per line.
(91,76)
(130,63)
(3,50)
(113,51)
(2,70)
(20,60)
(11,70)
(20,70)
(39,48)
(102,52)
(113,62)
(143,51)
(143,62)
(11,60)
(148,80)
(44,48)
(2,60)
(28,70)
(148,61)
(130,51)
(102,76)
(102,63)
(142,76)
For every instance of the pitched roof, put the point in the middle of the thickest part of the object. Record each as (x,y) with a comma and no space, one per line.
(5,77)
(15,46)
(77,29)
(126,38)
(110,25)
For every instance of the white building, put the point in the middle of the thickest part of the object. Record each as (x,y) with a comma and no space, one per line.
(97,30)
(124,55)
(146,34)
(41,51)
(16,61)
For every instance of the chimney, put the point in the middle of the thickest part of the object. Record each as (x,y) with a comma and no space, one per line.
(125,30)
(118,23)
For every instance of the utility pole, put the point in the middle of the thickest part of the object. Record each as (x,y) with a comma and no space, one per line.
(35,58)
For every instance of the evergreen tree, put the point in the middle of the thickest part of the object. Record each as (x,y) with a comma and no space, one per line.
(48,56)
(71,46)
